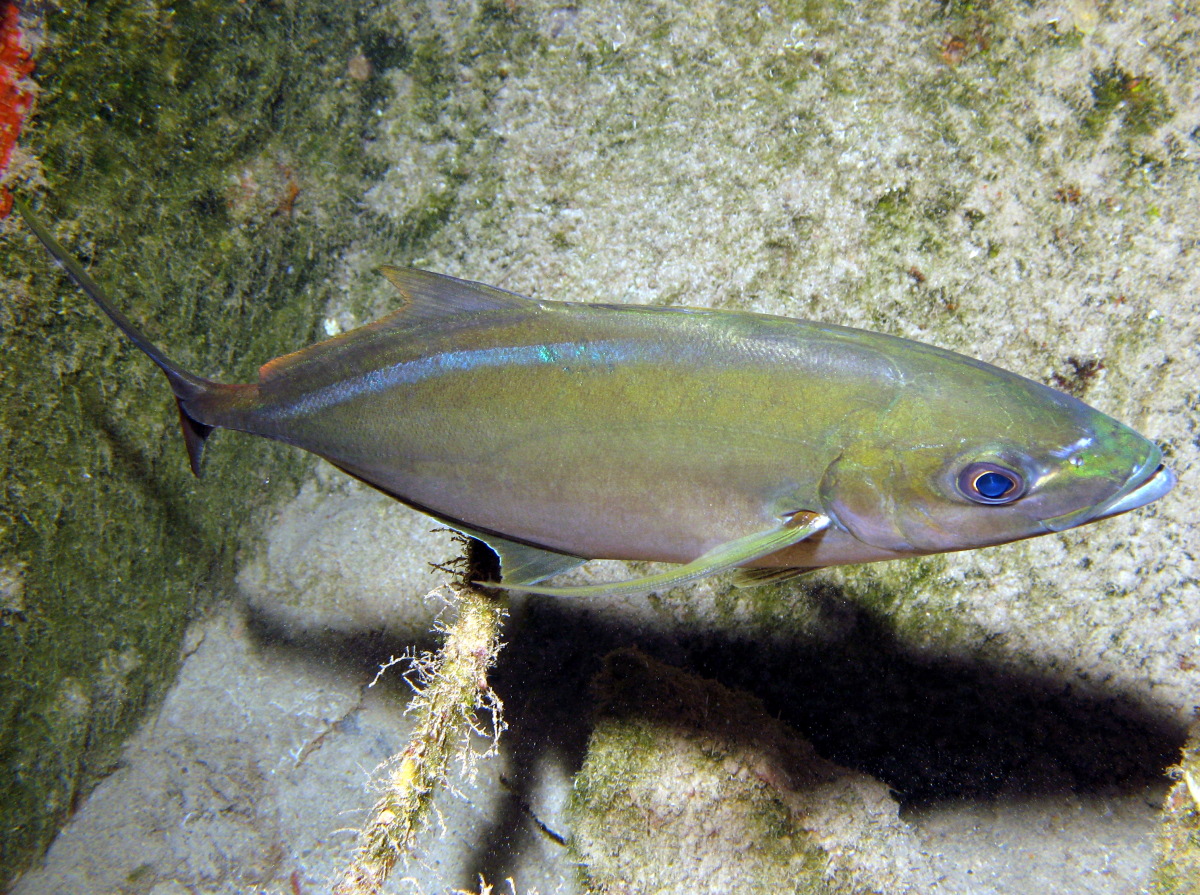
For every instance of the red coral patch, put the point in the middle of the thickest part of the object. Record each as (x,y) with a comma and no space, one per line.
(16,97)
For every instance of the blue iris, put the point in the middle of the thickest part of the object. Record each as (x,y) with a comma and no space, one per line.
(993,485)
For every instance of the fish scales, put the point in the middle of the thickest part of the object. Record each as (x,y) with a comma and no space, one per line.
(547,423)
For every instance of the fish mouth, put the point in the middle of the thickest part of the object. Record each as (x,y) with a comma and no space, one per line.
(1147,485)
(1138,494)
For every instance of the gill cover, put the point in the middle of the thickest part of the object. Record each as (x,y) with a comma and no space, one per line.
(930,496)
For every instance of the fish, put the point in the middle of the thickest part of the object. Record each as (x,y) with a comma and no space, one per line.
(712,440)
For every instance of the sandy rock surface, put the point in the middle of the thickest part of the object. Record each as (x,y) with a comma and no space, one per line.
(1018,183)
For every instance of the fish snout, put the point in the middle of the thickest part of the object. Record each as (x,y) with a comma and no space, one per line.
(1146,484)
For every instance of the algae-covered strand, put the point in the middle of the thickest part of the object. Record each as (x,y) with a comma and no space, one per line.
(1177,846)
(452,686)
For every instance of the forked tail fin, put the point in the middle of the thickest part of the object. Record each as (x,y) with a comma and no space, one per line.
(185,385)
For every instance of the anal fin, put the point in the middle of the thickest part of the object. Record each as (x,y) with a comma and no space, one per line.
(521,564)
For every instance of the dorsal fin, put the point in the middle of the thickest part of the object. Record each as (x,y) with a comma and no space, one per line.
(428,299)
(433,295)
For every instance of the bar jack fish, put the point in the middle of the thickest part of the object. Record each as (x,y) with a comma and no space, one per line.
(558,432)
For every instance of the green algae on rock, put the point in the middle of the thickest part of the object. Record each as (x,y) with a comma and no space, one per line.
(731,155)
(213,151)
(681,765)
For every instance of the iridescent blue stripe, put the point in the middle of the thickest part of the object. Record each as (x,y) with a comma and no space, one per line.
(566,354)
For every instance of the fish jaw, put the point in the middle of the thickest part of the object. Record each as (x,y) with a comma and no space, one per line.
(1147,484)
(1157,485)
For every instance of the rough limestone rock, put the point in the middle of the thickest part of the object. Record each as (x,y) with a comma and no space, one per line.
(1016,182)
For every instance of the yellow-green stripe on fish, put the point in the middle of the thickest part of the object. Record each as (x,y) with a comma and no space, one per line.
(559,432)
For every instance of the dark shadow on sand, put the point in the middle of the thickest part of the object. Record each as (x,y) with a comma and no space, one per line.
(931,728)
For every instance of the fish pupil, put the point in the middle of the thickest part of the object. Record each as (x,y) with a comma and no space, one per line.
(993,485)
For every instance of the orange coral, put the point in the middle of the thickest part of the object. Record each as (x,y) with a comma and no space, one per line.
(15,95)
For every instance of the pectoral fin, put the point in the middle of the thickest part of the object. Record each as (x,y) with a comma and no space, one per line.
(796,528)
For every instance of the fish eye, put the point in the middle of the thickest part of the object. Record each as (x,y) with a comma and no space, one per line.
(991,484)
